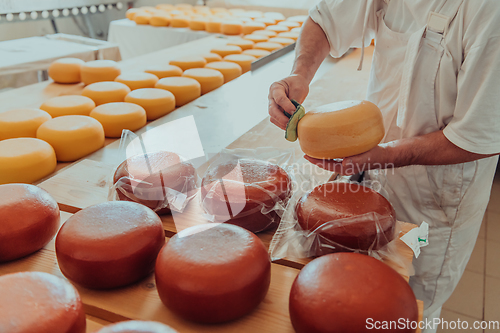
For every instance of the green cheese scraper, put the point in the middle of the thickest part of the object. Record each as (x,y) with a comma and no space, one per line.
(291,127)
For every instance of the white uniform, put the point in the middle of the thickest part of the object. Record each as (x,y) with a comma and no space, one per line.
(429,76)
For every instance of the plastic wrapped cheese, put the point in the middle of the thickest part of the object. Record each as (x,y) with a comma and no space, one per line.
(244,60)
(209,79)
(162,71)
(156,102)
(189,62)
(99,70)
(137,80)
(68,105)
(185,89)
(106,92)
(19,123)
(116,117)
(66,70)
(230,70)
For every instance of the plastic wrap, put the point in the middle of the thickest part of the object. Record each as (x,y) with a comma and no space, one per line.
(161,180)
(248,187)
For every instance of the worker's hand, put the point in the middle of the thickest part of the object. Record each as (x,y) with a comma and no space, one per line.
(292,87)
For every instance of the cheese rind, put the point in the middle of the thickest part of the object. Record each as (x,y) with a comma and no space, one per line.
(106,92)
(189,62)
(116,117)
(162,71)
(21,123)
(226,49)
(244,60)
(66,70)
(156,102)
(209,79)
(68,105)
(229,70)
(25,160)
(99,70)
(72,137)
(185,89)
(137,80)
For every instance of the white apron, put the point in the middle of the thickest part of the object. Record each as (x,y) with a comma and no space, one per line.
(451,198)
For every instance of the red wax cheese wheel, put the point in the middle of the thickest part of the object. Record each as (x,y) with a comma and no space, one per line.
(340,291)
(372,217)
(99,70)
(29,218)
(39,302)
(109,245)
(143,179)
(66,70)
(246,187)
(137,326)
(213,273)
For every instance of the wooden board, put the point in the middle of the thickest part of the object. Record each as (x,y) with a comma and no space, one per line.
(94,324)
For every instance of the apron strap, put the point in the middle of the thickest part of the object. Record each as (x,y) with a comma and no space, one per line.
(437,24)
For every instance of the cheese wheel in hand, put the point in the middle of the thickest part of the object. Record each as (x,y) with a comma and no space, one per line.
(30,218)
(247,187)
(99,70)
(68,105)
(137,80)
(116,117)
(244,60)
(209,79)
(189,62)
(229,70)
(25,160)
(109,245)
(40,302)
(156,102)
(340,129)
(162,71)
(144,178)
(371,223)
(72,137)
(66,70)
(21,123)
(106,92)
(185,89)
(137,326)
(342,292)
(213,273)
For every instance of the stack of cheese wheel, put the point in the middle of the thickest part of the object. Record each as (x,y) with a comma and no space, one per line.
(249,187)
(144,178)
(99,70)
(185,89)
(341,292)
(137,80)
(40,302)
(161,71)
(30,219)
(109,245)
(179,22)
(350,217)
(137,326)
(340,129)
(21,123)
(68,105)
(66,70)
(116,117)
(106,92)
(156,102)
(229,70)
(189,62)
(72,137)
(199,279)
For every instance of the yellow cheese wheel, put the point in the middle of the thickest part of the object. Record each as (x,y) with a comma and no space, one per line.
(72,137)
(20,123)
(244,60)
(231,27)
(290,24)
(267,33)
(209,57)
(268,46)
(130,13)
(256,53)
(68,105)
(160,20)
(142,17)
(209,79)
(106,92)
(198,24)
(148,9)
(99,70)
(266,20)
(164,6)
(281,40)
(116,117)
(256,38)
(296,30)
(299,18)
(25,160)
(244,44)
(184,6)
(249,27)
(278,17)
(230,70)
(137,80)
(189,62)
(224,50)
(277,28)
(235,11)
(66,70)
(185,89)
(213,26)
(156,102)
(219,10)
(340,129)
(290,34)
(179,22)
(162,71)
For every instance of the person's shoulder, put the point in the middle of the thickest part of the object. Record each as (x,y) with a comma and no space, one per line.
(481,20)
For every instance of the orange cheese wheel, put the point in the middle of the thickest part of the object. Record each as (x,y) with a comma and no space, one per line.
(198,24)
(266,20)
(268,46)
(267,33)
(256,38)
(142,17)
(137,80)
(218,10)
(278,17)
(289,34)
(340,129)
(130,13)
(213,26)
(25,160)
(159,20)
(165,6)
(231,27)
(281,40)
(189,62)
(296,30)
(116,117)
(226,49)
(245,44)
(193,279)
(161,71)
(66,70)
(299,18)
(40,302)
(230,70)
(209,79)
(277,28)
(210,57)
(179,22)
(250,27)
(21,123)
(72,137)
(244,60)
(30,219)
(185,89)
(99,70)
(156,102)
(106,92)
(68,105)
(256,53)
(137,326)
(289,24)
(109,245)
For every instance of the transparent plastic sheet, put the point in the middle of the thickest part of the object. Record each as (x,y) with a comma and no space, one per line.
(248,187)
(292,241)
(160,188)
